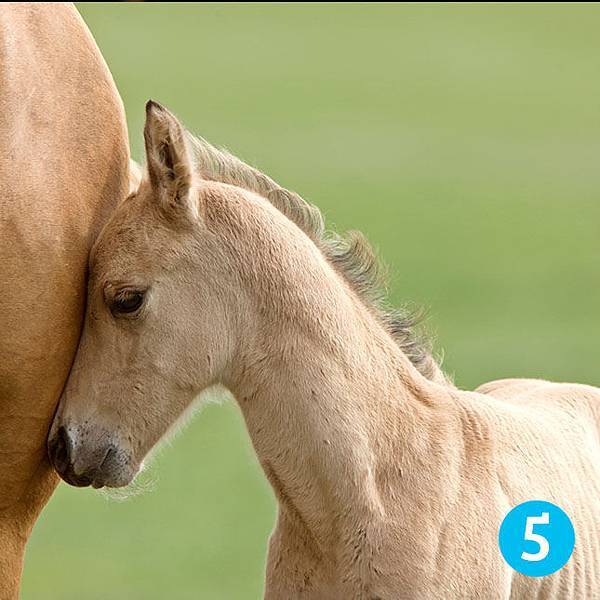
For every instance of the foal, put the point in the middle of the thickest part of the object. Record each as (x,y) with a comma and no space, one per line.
(391,482)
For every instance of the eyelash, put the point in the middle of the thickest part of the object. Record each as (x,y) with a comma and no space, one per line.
(127,302)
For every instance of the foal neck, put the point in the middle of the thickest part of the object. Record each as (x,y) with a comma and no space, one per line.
(335,412)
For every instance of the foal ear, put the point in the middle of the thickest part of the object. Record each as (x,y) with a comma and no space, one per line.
(170,168)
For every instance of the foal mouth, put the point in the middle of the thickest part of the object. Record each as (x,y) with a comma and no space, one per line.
(96,478)
(75,480)
(109,470)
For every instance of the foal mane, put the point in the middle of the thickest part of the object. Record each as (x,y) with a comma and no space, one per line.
(351,254)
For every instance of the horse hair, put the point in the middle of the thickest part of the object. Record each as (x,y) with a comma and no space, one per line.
(351,254)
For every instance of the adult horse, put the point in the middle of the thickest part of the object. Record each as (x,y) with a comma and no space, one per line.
(63,166)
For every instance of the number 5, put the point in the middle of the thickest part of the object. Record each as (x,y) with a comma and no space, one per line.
(540,540)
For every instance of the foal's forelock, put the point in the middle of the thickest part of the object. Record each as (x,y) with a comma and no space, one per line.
(351,254)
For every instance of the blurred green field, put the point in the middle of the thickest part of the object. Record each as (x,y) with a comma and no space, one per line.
(463,139)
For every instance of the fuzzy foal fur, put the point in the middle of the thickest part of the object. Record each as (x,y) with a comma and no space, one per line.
(391,482)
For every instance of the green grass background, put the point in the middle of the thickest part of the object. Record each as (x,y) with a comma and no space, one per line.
(463,139)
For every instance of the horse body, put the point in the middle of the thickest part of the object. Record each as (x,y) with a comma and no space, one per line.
(391,483)
(549,448)
(63,167)
(440,489)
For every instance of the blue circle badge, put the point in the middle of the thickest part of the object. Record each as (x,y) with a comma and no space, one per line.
(536,538)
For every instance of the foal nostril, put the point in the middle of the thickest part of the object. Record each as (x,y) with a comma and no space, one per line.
(59,450)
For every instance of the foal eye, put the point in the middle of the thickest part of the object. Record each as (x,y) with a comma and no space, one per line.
(127,302)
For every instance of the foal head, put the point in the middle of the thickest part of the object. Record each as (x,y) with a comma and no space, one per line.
(192,267)
(158,318)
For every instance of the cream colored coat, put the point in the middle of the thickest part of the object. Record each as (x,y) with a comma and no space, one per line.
(391,482)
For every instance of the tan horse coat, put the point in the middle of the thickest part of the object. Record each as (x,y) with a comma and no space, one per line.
(391,482)
(63,167)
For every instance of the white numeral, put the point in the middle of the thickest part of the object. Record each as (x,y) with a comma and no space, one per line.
(540,540)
